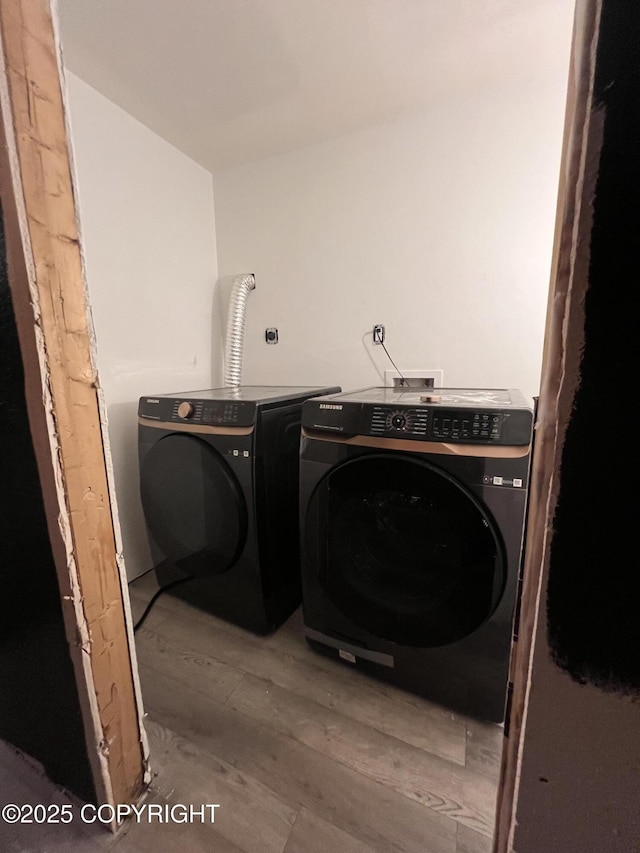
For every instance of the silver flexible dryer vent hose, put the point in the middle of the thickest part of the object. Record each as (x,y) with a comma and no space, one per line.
(234,338)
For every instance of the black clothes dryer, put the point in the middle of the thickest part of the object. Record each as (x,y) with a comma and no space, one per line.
(219,489)
(412,518)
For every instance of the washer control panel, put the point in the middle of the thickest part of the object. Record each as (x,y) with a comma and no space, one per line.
(467,426)
(436,425)
(401,421)
(434,422)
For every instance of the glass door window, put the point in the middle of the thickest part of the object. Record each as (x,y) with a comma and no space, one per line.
(407,552)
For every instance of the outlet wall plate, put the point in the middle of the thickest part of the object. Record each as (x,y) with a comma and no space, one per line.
(415,378)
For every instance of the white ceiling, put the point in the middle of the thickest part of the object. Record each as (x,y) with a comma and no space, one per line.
(231,81)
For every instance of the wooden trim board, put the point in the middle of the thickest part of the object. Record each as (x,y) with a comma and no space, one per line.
(49,292)
(560,377)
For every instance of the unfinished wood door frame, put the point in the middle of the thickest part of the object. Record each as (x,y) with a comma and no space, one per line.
(559,381)
(46,275)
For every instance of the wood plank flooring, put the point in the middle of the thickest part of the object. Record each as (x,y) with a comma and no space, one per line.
(364,766)
(303,755)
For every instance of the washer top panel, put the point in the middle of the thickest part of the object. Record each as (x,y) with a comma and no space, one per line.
(453,415)
(491,398)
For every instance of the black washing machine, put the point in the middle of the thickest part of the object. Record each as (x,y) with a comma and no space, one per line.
(219,489)
(412,518)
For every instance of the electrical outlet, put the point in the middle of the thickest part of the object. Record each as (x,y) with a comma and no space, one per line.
(378,334)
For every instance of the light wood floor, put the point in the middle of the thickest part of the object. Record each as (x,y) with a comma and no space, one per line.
(303,755)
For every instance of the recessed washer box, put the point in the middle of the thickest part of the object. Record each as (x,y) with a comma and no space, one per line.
(415,378)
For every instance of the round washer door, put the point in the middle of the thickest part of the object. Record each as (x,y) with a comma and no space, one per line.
(193,505)
(405,551)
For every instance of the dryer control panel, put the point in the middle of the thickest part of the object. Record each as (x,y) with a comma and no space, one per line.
(229,407)
(185,410)
(210,412)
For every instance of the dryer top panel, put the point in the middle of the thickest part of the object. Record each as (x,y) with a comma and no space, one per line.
(224,406)
(453,415)
(254,393)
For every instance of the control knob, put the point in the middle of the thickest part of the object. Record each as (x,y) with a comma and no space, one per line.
(185,410)
(397,420)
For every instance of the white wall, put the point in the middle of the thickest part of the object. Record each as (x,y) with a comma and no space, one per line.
(149,239)
(439,225)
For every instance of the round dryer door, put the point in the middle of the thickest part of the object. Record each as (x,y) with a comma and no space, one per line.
(193,505)
(405,551)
